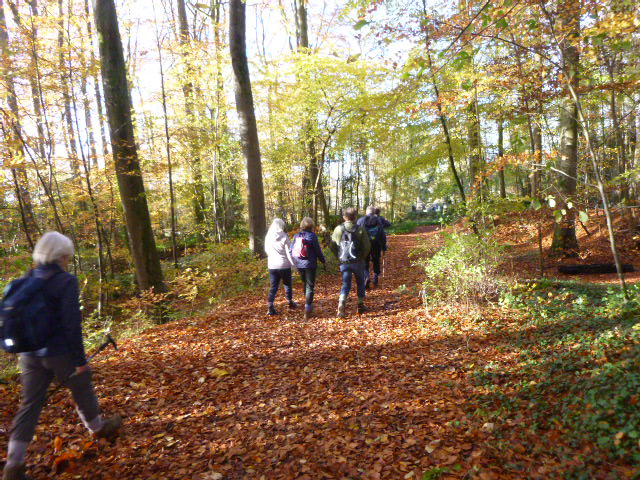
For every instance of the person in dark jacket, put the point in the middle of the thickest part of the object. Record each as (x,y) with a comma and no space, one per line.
(63,357)
(306,251)
(375,225)
(352,260)
(385,224)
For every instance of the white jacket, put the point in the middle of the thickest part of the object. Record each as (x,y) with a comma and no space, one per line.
(277,249)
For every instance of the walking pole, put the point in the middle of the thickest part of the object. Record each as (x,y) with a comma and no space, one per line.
(384,256)
(109,341)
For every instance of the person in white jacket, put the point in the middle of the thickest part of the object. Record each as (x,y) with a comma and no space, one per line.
(279,263)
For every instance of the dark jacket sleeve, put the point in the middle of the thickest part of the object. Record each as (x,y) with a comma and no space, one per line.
(72,320)
(365,241)
(385,223)
(318,249)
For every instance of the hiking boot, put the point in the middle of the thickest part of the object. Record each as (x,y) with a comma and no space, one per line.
(375,280)
(292,305)
(271,310)
(110,428)
(341,313)
(362,308)
(15,473)
(308,310)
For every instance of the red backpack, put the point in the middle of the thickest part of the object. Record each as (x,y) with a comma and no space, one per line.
(300,247)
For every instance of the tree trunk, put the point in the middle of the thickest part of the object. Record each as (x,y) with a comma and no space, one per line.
(537,158)
(476,181)
(503,189)
(172,203)
(441,115)
(188,92)
(86,102)
(248,128)
(564,237)
(72,146)
(123,145)
(14,144)
(101,127)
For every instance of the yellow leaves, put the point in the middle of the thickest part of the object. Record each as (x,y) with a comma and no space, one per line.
(218,372)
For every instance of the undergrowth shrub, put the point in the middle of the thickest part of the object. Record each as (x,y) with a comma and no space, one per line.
(465,270)
(575,362)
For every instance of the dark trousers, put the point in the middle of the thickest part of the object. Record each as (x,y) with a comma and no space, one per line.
(374,257)
(308,276)
(36,376)
(275,276)
(349,269)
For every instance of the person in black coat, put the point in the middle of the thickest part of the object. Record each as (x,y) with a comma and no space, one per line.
(375,225)
(62,357)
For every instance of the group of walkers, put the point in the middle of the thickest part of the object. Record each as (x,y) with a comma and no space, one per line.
(62,355)
(356,244)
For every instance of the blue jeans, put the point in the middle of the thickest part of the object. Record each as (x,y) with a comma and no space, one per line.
(308,276)
(275,276)
(356,269)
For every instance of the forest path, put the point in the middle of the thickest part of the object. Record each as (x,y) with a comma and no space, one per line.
(236,394)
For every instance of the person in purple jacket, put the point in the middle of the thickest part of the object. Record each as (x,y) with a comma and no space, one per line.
(306,251)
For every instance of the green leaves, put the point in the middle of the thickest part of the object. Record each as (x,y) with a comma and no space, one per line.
(461,60)
(584,218)
(502,23)
(360,24)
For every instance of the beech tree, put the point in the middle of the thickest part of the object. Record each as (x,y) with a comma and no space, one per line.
(248,127)
(123,144)
(564,238)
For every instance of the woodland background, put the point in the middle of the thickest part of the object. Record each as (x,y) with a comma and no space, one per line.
(163,136)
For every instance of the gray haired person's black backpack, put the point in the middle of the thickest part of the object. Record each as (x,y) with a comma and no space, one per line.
(26,318)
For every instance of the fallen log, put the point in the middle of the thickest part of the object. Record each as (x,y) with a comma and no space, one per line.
(593,268)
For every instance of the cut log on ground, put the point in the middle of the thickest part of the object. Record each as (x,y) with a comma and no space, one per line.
(593,268)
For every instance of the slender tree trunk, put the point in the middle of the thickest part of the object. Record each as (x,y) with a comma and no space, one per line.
(394,192)
(537,158)
(94,204)
(123,144)
(12,121)
(188,90)
(172,203)
(564,238)
(86,105)
(503,189)
(64,83)
(96,80)
(248,128)
(475,154)
(442,117)
(218,118)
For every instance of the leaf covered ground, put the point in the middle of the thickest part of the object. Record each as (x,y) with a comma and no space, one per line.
(390,394)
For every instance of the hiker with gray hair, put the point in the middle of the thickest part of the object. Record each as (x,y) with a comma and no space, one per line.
(279,262)
(62,356)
